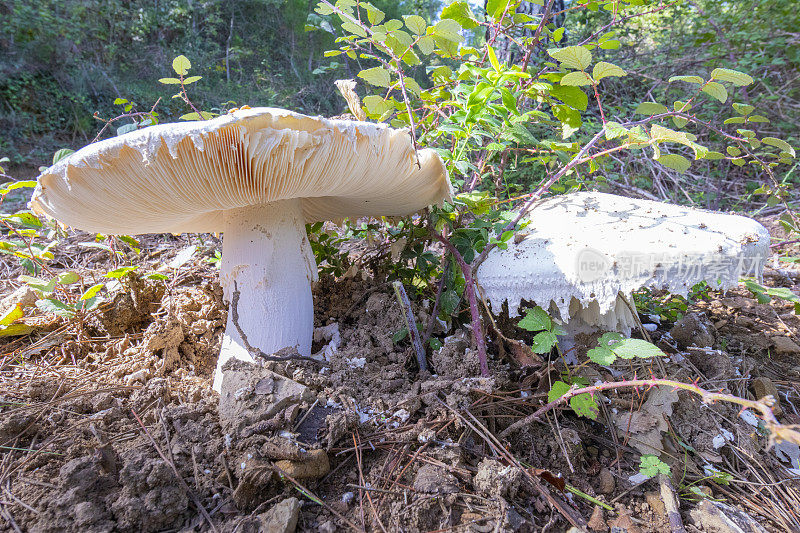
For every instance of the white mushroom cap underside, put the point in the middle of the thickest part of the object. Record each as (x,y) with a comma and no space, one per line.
(592,246)
(183,177)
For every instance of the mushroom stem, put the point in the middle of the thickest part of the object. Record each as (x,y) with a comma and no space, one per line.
(266,254)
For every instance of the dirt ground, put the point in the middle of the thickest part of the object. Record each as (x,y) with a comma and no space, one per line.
(111,424)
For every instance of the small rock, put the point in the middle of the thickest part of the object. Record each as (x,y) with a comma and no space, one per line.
(693,330)
(24,297)
(251,394)
(281,518)
(313,466)
(765,387)
(495,479)
(597,522)
(433,479)
(785,345)
(624,522)
(605,481)
(717,517)
(327,527)
(653,499)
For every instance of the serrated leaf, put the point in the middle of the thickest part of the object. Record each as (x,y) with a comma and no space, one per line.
(651,108)
(543,342)
(602,355)
(630,348)
(572,96)
(376,105)
(535,319)
(558,390)
(415,23)
(584,405)
(742,109)
(461,13)
(374,15)
(181,65)
(604,69)
(575,79)
(782,145)
(735,77)
(426,45)
(687,79)
(61,154)
(449,30)
(377,76)
(576,57)
(170,81)
(717,90)
(675,162)
(651,465)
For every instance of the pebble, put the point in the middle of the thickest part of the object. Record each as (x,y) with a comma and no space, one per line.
(785,345)
(282,517)
(314,466)
(605,481)
(764,387)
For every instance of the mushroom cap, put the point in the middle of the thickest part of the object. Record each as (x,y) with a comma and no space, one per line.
(586,248)
(182,177)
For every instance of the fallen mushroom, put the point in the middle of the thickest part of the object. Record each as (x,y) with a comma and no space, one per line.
(258,175)
(584,253)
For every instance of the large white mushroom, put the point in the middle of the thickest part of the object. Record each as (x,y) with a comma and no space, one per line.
(258,175)
(584,253)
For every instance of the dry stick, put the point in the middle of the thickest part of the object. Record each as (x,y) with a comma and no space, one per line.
(469,289)
(182,483)
(252,350)
(671,504)
(777,430)
(435,312)
(411,324)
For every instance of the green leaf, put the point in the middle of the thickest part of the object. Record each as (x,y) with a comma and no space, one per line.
(717,90)
(576,78)
(12,316)
(376,105)
(15,330)
(611,44)
(461,13)
(630,348)
(602,355)
(156,276)
(572,96)
(192,79)
(558,34)
(543,342)
(651,465)
(181,65)
(570,120)
(92,291)
(584,405)
(449,30)
(614,130)
(170,81)
(56,307)
(18,185)
(40,285)
(687,79)
(324,9)
(426,45)
(743,109)
(558,390)
(757,118)
(604,69)
(675,162)
(493,58)
(120,272)
(714,156)
(415,23)
(735,77)
(354,28)
(651,108)
(68,278)
(782,145)
(61,154)
(535,319)
(374,15)
(377,76)
(572,56)
(734,120)
(204,115)
(496,8)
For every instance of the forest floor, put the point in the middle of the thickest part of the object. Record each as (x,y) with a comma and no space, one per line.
(111,424)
